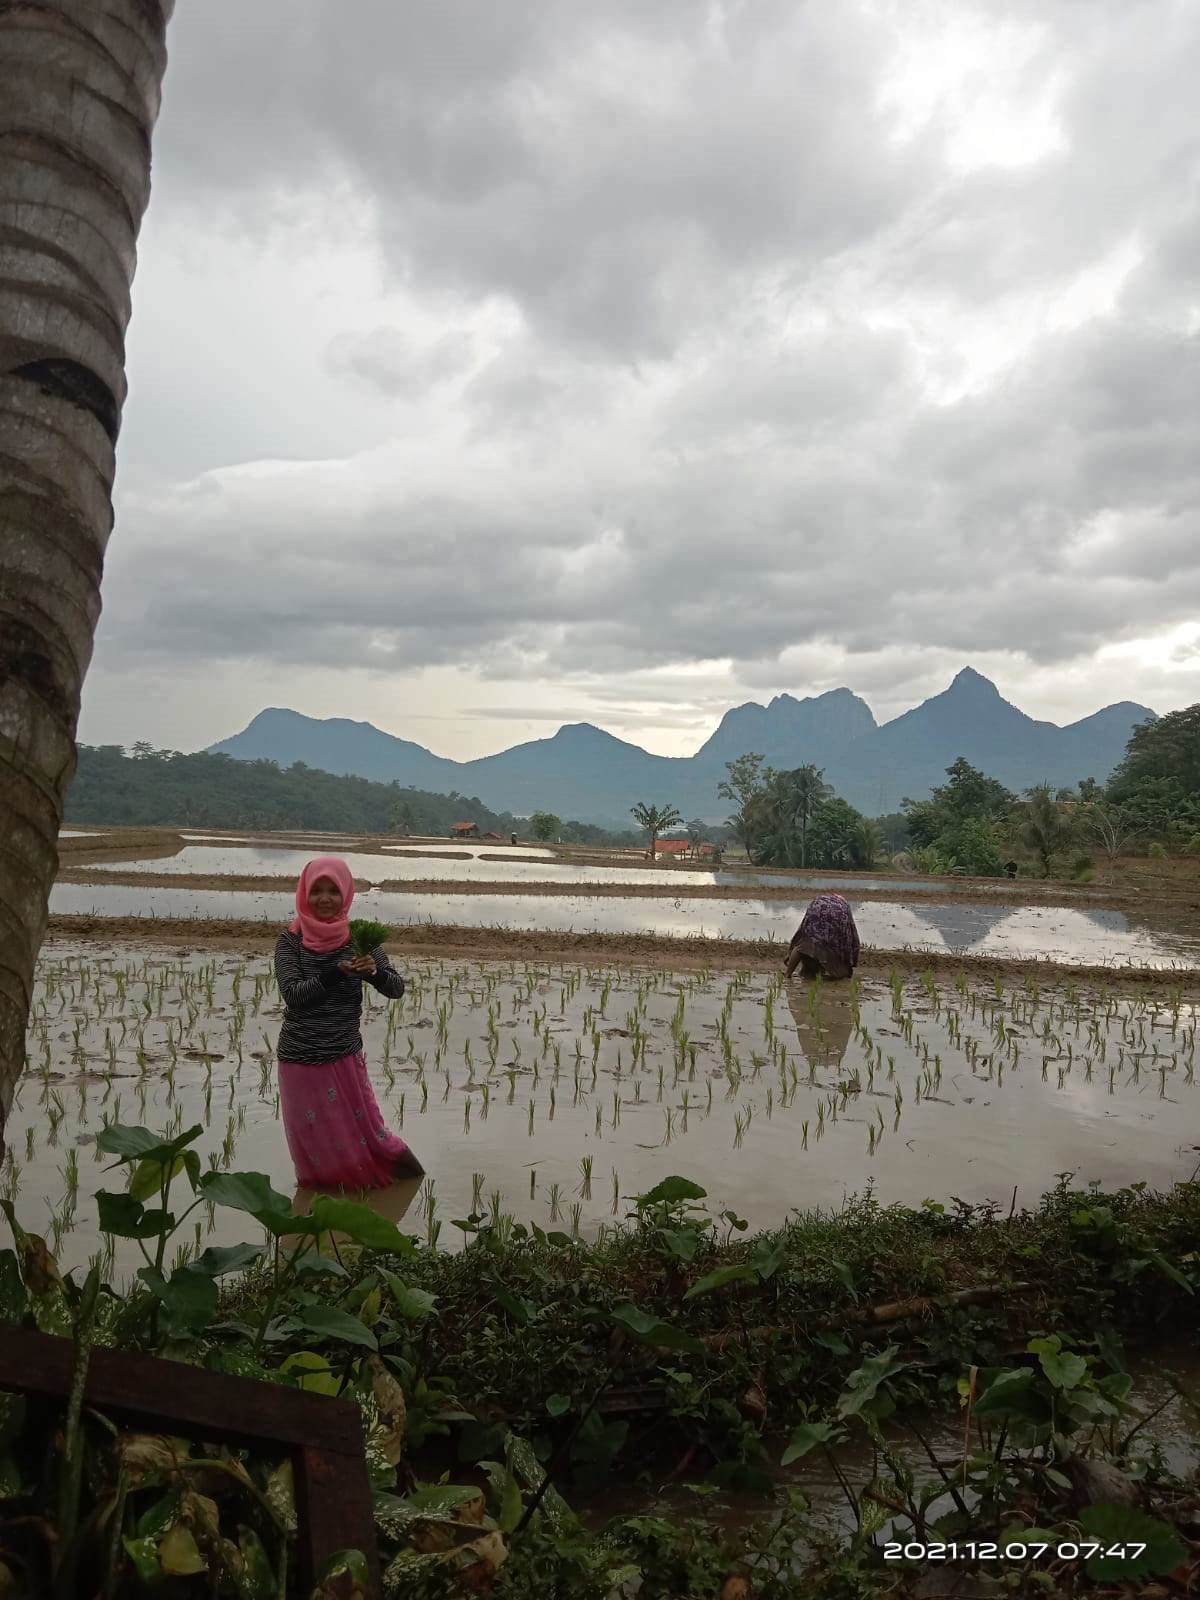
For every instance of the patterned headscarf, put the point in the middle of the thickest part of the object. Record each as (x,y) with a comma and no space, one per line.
(315,933)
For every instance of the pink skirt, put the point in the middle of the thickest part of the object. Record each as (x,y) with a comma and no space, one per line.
(335,1129)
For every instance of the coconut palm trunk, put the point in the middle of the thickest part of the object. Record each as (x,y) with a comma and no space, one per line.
(79,93)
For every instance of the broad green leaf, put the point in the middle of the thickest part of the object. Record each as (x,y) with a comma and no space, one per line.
(219,1259)
(189,1298)
(507,1492)
(864,1383)
(558,1404)
(1065,1371)
(767,1259)
(1171,1272)
(718,1280)
(335,1324)
(252,1192)
(519,1310)
(1115,1526)
(179,1554)
(149,1176)
(872,1513)
(1008,1392)
(412,1304)
(329,1214)
(132,1144)
(350,1564)
(144,1555)
(312,1371)
(648,1329)
(127,1218)
(682,1243)
(671,1191)
(807,1437)
(156,1519)
(1116,1386)
(441,1499)
(314,1265)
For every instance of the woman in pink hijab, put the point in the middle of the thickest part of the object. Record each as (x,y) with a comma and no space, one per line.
(335,1130)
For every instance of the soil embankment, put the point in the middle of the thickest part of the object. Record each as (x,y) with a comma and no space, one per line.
(503,944)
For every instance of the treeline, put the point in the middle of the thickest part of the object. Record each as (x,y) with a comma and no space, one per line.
(1150,805)
(972,823)
(168,788)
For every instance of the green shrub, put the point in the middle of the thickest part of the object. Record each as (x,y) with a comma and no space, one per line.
(1157,852)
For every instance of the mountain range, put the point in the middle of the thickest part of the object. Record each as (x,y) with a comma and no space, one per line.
(585,773)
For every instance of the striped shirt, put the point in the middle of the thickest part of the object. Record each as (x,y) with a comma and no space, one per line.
(322,1006)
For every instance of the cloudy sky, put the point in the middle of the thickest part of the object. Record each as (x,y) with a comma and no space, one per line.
(497,365)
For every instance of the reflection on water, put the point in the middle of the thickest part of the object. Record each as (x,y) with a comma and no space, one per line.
(796,1110)
(822,1014)
(392,1203)
(1053,933)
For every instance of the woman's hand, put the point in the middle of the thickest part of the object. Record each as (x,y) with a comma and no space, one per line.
(361,966)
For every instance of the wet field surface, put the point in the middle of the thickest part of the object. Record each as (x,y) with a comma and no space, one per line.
(1066,935)
(556,1092)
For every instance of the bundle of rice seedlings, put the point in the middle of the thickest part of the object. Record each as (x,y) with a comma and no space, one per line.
(366,936)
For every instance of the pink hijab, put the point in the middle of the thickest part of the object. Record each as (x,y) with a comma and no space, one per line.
(314,933)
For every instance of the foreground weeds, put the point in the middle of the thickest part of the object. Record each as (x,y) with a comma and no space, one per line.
(960,1377)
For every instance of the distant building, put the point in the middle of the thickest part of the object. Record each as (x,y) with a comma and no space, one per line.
(496,836)
(465,830)
(673,847)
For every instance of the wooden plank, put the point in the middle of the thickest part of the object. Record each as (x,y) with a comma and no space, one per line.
(147,1391)
(323,1435)
(333,1503)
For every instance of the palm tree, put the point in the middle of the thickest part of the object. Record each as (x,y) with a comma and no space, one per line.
(780,816)
(79,96)
(1042,827)
(655,820)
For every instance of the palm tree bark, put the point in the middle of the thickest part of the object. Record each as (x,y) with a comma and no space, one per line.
(80,82)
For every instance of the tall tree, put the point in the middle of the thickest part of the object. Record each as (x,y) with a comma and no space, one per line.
(655,820)
(80,82)
(545,825)
(1166,747)
(746,781)
(781,816)
(1042,826)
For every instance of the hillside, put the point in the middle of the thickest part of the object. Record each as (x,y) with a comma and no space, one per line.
(582,771)
(168,789)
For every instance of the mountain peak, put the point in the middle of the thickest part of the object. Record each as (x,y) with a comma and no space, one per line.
(970,681)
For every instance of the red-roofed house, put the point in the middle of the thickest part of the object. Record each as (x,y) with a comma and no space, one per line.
(490,835)
(465,830)
(674,847)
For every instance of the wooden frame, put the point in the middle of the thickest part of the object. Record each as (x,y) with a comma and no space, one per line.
(323,1436)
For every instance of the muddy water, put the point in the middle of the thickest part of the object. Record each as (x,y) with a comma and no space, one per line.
(487,864)
(258,861)
(1157,1375)
(471,847)
(1058,934)
(800,1110)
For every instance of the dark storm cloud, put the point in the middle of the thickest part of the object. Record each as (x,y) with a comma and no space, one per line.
(702,424)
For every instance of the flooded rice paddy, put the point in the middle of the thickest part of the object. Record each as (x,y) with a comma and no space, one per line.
(1060,934)
(555,1092)
(253,859)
